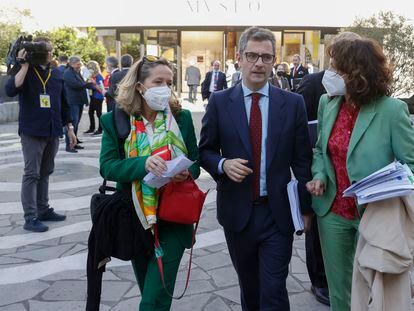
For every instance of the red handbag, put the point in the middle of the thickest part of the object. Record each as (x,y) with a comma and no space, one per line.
(181,202)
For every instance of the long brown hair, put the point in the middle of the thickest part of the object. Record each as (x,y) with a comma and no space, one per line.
(129,99)
(364,67)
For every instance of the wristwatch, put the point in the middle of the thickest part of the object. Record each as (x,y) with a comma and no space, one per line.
(21,60)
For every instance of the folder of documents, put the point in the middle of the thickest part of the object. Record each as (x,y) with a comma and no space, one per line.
(393,180)
(292,190)
(174,167)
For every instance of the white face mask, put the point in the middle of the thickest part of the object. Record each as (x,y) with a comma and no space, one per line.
(334,84)
(157,97)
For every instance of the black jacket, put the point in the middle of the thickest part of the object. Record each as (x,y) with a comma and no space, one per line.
(114,80)
(311,89)
(205,86)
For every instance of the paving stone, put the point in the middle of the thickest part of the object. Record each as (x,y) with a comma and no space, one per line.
(15,307)
(8,251)
(76,237)
(66,290)
(125,273)
(297,265)
(194,287)
(51,242)
(10,260)
(237,308)
(232,293)
(78,248)
(306,302)
(299,244)
(216,305)
(200,252)
(5,222)
(109,276)
(196,274)
(12,293)
(293,286)
(66,275)
(113,291)
(44,253)
(5,230)
(133,292)
(217,247)
(26,248)
(301,254)
(224,277)
(82,211)
(190,303)
(302,277)
(126,305)
(213,261)
(61,306)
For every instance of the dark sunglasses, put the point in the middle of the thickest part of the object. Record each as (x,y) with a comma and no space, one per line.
(147,58)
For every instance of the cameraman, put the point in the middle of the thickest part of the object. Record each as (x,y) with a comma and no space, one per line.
(43,113)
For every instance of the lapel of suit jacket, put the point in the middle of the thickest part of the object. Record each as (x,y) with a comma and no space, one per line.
(364,119)
(237,112)
(276,120)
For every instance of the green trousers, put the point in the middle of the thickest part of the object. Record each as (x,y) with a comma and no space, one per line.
(339,238)
(153,295)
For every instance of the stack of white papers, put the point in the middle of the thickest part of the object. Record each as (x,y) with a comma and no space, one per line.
(393,180)
(174,167)
(292,190)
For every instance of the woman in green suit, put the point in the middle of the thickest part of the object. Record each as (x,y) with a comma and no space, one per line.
(159,130)
(360,130)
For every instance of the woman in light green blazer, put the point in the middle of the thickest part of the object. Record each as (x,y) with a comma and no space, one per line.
(360,130)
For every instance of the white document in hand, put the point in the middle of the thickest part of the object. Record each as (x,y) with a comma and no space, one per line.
(174,167)
(292,190)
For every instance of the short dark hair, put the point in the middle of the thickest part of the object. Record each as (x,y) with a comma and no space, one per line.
(63,58)
(365,68)
(256,34)
(112,61)
(126,61)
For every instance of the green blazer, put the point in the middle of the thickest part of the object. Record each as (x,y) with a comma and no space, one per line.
(127,170)
(383,132)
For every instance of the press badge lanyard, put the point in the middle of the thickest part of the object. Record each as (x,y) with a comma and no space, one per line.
(44,98)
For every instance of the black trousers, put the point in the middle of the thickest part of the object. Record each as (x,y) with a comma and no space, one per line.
(95,105)
(314,259)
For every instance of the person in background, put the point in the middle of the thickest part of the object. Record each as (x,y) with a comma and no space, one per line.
(75,90)
(97,98)
(63,63)
(193,77)
(115,78)
(149,105)
(236,76)
(111,68)
(297,72)
(279,79)
(215,80)
(361,129)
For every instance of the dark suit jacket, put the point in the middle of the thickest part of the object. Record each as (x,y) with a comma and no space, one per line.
(311,89)
(75,87)
(300,73)
(205,86)
(225,134)
(114,80)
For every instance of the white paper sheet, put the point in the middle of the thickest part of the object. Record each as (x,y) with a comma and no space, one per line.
(292,190)
(174,167)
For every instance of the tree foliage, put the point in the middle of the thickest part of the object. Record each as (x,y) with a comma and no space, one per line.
(69,41)
(396,36)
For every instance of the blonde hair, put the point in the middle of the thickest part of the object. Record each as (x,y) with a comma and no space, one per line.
(130,99)
(94,66)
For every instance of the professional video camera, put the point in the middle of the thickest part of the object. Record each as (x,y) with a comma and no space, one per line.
(37,53)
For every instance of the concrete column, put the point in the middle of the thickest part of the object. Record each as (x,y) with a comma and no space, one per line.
(179,70)
(118,49)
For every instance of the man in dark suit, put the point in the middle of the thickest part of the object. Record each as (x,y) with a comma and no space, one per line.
(297,72)
(115,78)
(252,135)
(215,80)
(311,89)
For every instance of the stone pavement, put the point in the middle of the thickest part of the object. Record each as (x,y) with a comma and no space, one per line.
(46,271)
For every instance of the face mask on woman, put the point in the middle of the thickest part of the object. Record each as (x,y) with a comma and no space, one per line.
(333,82)
(157,97)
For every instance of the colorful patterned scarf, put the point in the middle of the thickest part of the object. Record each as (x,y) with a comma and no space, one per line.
(168,143)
